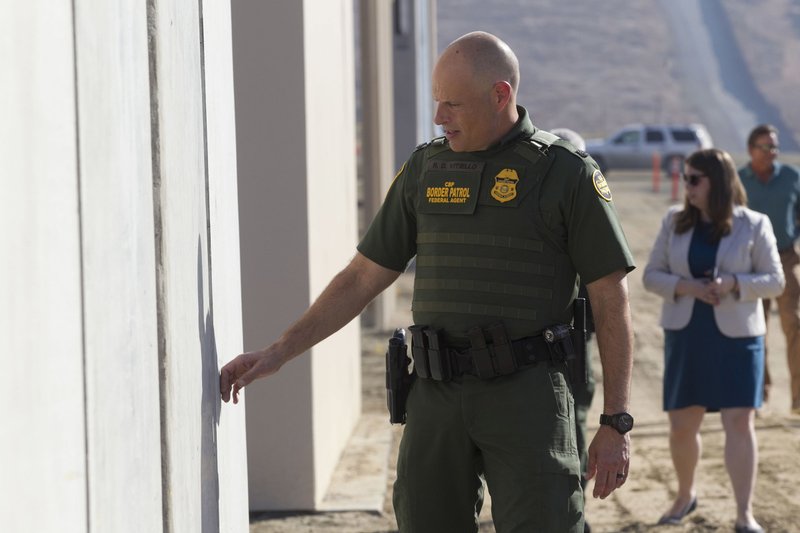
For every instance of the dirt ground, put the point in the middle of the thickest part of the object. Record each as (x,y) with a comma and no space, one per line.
(637,506)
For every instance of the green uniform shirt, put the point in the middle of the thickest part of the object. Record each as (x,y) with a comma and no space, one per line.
(573,202)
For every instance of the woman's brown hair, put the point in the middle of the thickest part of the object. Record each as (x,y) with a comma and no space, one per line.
(725,192)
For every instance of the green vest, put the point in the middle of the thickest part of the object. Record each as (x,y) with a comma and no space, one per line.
(484,253)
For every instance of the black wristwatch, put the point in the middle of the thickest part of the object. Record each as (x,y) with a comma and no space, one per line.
(622,422)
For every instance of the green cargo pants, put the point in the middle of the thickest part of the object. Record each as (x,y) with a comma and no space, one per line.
(583,394)
(517,432)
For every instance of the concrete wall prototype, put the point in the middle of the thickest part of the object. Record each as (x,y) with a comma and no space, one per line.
(297,198)
(120,269)
(414,56)
(377,131)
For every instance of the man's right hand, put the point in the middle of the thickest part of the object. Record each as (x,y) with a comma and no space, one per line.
(341,301)
(245,369)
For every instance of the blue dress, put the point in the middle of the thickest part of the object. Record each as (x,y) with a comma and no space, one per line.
(701,365)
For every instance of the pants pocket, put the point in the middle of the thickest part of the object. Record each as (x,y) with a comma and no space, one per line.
(561,393)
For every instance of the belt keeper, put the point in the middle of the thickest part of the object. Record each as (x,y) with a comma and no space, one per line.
(530,351)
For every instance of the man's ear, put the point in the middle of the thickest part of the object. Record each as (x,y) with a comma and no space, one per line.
(501,94)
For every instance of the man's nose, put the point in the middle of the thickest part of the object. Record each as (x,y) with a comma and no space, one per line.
(439,118)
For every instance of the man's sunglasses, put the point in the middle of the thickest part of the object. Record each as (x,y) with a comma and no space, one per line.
(692,179)
(767,148)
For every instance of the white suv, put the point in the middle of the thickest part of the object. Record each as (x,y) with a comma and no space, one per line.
(634,145)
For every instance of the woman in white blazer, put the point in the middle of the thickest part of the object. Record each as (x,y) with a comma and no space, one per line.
(712,262)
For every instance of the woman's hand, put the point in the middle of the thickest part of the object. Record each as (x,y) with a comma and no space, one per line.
(708,291)
(705,290)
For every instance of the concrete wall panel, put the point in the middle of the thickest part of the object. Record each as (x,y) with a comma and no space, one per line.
(273,224)
(187,354)
(42,449)
(106,273)
(333,224)
(295,139)
(223,436)
(119,284)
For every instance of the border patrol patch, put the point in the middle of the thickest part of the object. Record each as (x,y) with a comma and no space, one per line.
(601,185)
(505,185)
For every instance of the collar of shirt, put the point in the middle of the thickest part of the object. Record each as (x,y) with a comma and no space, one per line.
(748,172)
(522,128)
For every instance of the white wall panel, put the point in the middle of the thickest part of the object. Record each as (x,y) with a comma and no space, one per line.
(296,167)
(122,393)
(118,214)
(184,311)
(223,440)
(333,226)
(273,225)
(42,443)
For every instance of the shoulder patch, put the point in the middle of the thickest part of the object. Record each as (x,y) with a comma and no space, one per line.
(601,186)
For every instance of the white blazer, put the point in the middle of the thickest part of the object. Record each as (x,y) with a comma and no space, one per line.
(749,251)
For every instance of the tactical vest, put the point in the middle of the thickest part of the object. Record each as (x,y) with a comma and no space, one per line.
(484,252)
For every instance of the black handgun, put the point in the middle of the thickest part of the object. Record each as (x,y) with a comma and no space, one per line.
(398,378)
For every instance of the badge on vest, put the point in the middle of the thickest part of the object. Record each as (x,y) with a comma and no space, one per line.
(505,185)
(601,186)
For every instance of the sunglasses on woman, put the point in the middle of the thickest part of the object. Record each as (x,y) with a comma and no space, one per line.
(692,179)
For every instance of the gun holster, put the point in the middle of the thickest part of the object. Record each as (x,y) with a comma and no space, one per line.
(398,378)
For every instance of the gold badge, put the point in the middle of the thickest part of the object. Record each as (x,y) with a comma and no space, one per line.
(505,185)
(601,185)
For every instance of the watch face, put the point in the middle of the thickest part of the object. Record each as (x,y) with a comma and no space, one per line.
(624,422)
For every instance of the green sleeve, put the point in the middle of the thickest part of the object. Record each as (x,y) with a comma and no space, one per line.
(391,239)
(595,241)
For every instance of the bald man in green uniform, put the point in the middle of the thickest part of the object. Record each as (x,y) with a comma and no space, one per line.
(502,218)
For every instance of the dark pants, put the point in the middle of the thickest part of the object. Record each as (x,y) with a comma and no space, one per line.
(518,432)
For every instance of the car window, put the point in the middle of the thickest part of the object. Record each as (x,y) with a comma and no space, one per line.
(627,137)
(683,135)
(654,136)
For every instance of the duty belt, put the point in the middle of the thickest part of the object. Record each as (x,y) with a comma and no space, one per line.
(433,359)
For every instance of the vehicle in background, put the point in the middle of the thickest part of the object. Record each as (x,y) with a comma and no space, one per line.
(634,145)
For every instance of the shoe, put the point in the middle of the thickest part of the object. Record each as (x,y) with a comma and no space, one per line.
(747,529)
(676,518)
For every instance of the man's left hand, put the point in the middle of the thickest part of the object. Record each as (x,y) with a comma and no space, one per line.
(609,461)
